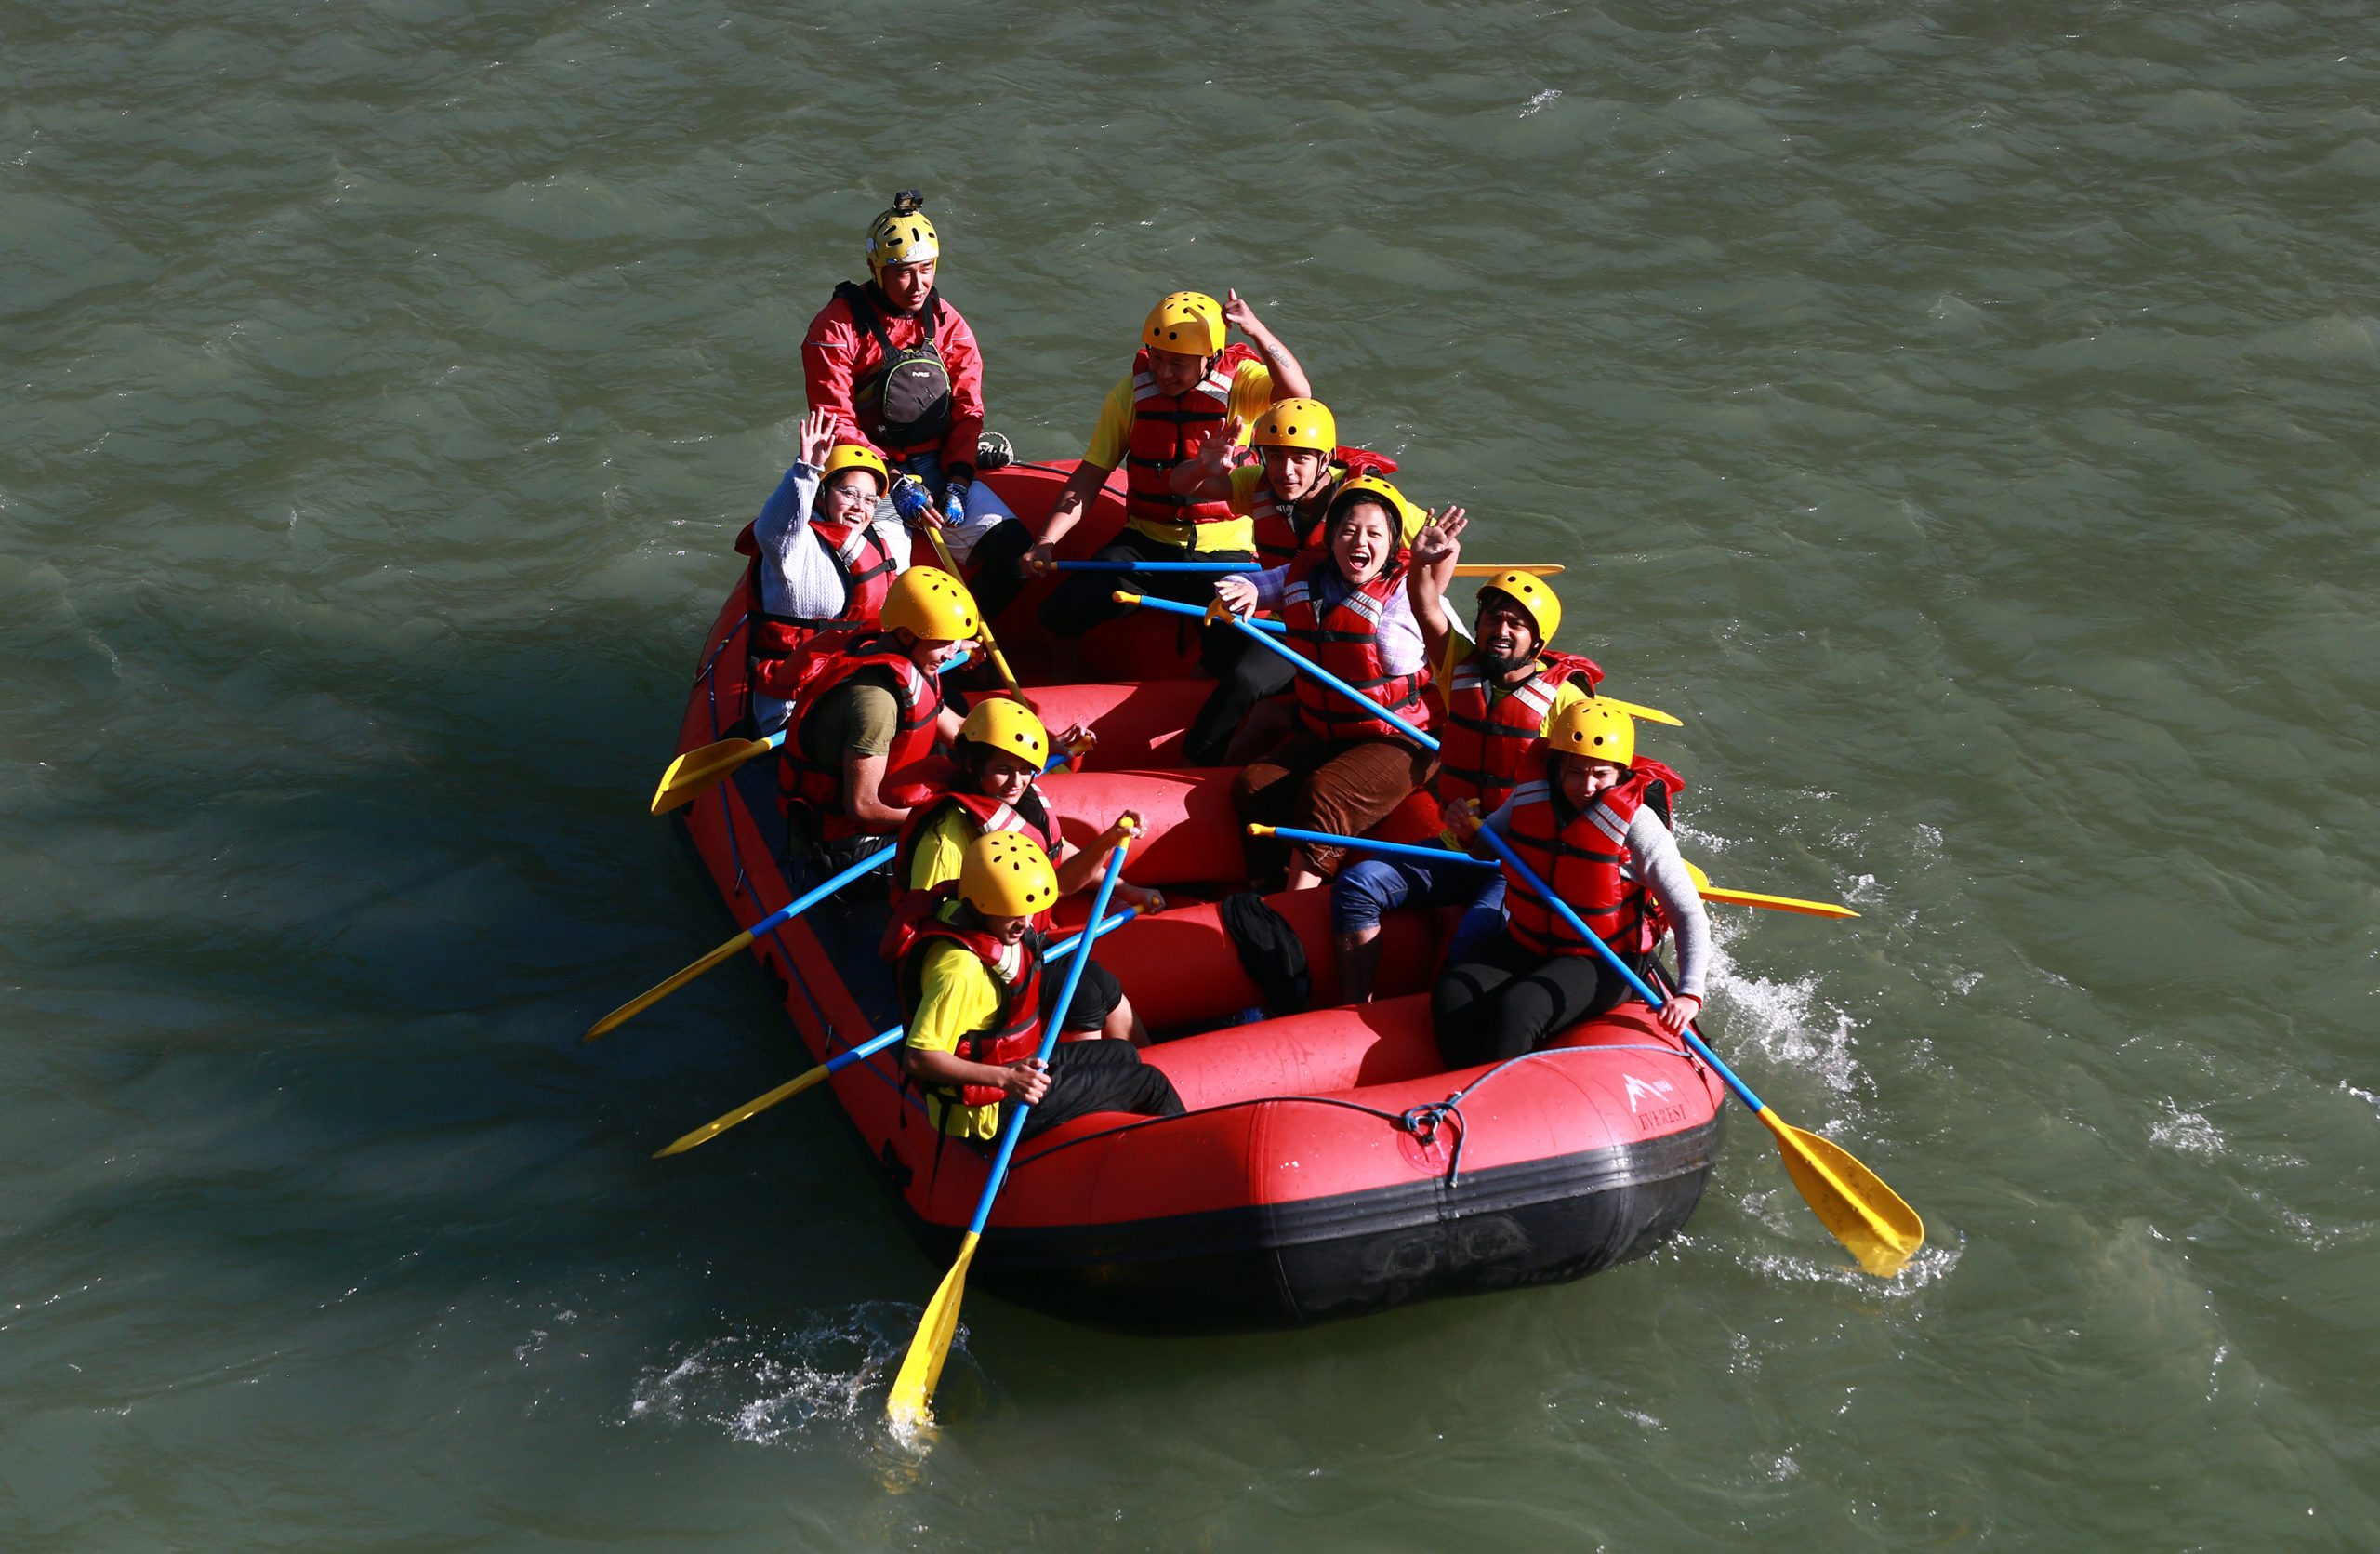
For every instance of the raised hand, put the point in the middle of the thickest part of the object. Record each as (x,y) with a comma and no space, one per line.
(1440,539)
(1239,314)
(815,441)
(1214,455)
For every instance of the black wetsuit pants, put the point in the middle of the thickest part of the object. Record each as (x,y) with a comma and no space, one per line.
(1504,1000)
(1101,1076)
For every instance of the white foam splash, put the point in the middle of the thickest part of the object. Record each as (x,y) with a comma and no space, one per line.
(1934,1261)
(1541,99)
(2187,1131)
(2365,1095)
(765,1385)
(1785,1019)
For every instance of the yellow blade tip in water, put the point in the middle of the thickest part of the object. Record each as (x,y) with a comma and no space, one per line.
(1868,1218)
(911,1404)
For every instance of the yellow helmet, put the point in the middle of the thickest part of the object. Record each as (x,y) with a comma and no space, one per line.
(1296,423)
(902,235)
(1008,725)
(851,455)
(1534,595)
(1409,518)
(1006,874)
(1187,323)
(931,603)
(1594,729)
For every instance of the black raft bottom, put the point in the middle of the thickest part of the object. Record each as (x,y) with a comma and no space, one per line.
(1290,1265)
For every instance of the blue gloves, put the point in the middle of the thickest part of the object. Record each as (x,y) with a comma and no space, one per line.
(911,501)
(954,500)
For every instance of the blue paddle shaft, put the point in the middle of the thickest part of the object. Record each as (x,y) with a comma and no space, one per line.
(1014,1127)
(810,899)
(1307,665)
(1158,567)
(881,1040)
(818,893)
(1527,876)
(1521,871)
(1393,849)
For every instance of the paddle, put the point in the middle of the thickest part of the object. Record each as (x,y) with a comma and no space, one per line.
(686,777)
(1125,596)
(1308,666)
(1867,1216)
(1703,886)
(694,773)
(783,915)
(776,919)
(913,1388)
(1464,569)
(842,1060)
(999,660)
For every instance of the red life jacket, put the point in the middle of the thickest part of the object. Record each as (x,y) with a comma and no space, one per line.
(902,401)
(814,778)
(1345,639)
(1588,863)
(1030,817)
(1169,429)
(867,578)
(1283,529)
(1487,739)
(1016,1031)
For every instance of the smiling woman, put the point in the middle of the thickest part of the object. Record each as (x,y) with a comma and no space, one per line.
(1345,607)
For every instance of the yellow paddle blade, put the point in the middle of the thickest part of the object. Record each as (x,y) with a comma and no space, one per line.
(1776,903)
(654,994)
(1867,1216)
(699,769)
(1709,892)
(999,661)
(1494,569)
(912,1399)
(1636,710)
(745,1114)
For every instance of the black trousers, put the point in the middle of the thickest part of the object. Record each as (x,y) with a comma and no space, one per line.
(1101,1076)
(1094,1000)
(1505,1001)
(1255,675)
(994,581)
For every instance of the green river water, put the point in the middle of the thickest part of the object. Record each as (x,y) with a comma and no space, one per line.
(1961,412)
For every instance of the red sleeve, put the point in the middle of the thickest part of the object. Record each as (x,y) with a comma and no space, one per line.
(960,354)
(832,356)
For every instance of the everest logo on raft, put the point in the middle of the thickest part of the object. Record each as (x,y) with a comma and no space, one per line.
(1639,1091)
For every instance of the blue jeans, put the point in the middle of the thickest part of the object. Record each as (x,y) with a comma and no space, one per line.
(1364,893)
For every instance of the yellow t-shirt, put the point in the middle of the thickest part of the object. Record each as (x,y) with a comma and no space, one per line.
(942,848)
(957,998)
(1244,481)
(1251,391)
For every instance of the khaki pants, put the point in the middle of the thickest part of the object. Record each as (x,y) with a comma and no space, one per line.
(1344,788)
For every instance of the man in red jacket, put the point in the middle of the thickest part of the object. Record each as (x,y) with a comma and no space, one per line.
(899,370)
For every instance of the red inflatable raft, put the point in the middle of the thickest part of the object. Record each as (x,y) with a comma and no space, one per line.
(1328,1165)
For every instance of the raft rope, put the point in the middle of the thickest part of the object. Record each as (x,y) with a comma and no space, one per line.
(1423,1122)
